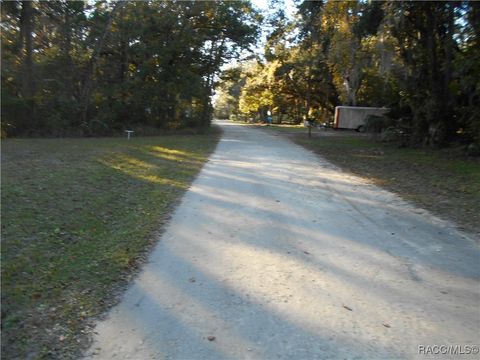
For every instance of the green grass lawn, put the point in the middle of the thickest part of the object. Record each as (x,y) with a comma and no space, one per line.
(78,216)
(442,181)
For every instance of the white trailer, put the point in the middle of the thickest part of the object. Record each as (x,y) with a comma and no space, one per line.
(353,117)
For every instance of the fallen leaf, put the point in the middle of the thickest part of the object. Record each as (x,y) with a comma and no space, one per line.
(386,325)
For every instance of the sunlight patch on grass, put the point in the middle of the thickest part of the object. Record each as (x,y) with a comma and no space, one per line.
(140,170)
(122,161)
(171,151)
(174,155)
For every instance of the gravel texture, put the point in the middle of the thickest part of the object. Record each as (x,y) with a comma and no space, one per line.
(274,253)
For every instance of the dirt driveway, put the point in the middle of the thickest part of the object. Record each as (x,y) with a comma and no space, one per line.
(274,253)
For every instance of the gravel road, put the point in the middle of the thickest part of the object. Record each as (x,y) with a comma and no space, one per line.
(274,253)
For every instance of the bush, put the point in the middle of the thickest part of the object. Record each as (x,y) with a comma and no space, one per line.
(377,124)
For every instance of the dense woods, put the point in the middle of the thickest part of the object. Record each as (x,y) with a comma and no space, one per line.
(83,69)
(421,59)
(86,69)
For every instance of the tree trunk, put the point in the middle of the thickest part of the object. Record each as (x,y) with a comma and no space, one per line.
(216,54)
(26,24)
(67,41)
(448,101)
(123,48)
(87,84)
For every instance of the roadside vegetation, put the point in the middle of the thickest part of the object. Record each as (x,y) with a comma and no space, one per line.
(94,68)
(443,181)
(78,217)
(419,59)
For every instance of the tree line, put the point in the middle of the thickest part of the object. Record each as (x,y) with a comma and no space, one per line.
(83,69)
(420,59)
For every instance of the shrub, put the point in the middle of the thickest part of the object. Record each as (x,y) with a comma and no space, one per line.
(376,124)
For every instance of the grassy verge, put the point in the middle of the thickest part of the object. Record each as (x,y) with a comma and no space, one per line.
(442,181)
(78,216)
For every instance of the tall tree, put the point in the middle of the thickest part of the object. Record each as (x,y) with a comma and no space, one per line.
(96,68)
(26,49)
(418,58)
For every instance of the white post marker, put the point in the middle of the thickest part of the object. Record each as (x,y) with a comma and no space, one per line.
(128,133)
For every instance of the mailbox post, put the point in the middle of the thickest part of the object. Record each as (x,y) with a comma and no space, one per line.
(128,133)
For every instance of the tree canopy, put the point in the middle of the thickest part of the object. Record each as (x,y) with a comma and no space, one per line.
(75,68)
(421,59)
(81,68)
